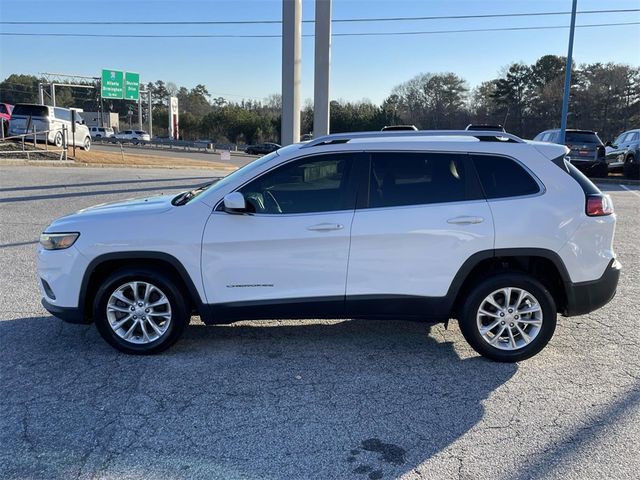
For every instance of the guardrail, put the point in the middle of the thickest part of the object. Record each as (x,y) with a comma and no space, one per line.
(34,137)
(168,144)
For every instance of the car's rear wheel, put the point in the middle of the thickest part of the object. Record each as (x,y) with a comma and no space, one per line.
(508,317)
(140,311)
(631,168)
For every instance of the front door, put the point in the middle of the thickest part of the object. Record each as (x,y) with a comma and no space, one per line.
(288,257)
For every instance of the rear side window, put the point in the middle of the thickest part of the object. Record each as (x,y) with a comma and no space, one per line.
(408,178)
(31,110)
(62,114)
(502,177)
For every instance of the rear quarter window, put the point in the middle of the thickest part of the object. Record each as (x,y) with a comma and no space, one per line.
(502,177)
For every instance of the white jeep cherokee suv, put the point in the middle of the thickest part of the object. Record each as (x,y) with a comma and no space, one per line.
(484,227)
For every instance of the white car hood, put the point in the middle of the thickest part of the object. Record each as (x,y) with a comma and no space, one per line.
(125,208)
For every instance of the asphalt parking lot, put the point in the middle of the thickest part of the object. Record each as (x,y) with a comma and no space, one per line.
(301,400)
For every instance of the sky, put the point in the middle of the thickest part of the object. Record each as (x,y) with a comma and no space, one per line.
(363,67)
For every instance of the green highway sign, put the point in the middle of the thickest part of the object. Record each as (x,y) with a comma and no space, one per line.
(131,86)
(112,84)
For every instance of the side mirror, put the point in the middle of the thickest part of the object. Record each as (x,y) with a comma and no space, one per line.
(234,203)
(608,144)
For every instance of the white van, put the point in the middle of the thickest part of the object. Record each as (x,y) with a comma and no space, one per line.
(43,118)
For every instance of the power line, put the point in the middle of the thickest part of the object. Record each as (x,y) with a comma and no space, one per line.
(341,20)
(355,34)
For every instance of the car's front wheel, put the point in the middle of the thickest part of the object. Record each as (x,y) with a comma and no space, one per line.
(87,144)
(140,311)
(508,317)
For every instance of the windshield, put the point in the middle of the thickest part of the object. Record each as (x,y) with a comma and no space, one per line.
(255,165)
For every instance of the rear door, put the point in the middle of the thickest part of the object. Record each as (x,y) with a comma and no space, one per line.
(424,215)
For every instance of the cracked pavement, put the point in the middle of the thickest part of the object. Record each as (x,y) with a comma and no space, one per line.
(301,399)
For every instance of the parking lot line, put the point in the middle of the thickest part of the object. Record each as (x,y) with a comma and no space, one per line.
(632,191)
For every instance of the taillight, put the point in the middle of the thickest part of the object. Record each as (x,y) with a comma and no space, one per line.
(599,205)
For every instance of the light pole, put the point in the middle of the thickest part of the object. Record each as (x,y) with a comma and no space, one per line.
(567,76)
(322,68)
(291,60)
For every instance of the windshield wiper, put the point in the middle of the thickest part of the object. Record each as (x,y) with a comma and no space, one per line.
(185,197)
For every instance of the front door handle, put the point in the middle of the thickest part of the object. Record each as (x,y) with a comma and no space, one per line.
(325,227)
(463,220)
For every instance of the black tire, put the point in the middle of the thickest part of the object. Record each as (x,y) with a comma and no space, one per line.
(631,168)
(58,140)
(600,171)
(135,141)
(469,326)
(180,313)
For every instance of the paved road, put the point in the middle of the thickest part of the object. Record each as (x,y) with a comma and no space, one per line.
(301,400)
(237,159)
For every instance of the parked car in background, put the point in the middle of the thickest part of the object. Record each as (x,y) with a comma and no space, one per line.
(134,136)
(101,132)
(52,120)
(5,116)
(623,154)
(262,148)
(392,128)
(587,151)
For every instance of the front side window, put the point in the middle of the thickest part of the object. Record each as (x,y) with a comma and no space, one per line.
(308,185)
(503,177)
(408,178)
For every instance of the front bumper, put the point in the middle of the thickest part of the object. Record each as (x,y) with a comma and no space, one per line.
(585,297)
(68,314)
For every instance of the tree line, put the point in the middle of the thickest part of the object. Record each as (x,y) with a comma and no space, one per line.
(526,99)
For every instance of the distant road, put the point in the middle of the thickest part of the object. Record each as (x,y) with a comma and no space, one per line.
(236,159)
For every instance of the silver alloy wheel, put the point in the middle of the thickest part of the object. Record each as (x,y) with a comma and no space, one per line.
(139,312)
(509,318)
(87,144)
(58,140)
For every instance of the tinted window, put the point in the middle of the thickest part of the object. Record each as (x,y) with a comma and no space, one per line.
(3,109)
(62,114)
(582,137)
(33,110)
(502,177)
(313,184)
(404,178)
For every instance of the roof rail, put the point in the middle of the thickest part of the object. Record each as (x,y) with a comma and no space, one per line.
(480,135)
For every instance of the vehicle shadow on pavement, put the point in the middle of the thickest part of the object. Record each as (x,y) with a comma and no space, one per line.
(351,399)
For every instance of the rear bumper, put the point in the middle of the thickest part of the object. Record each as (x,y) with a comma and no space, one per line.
(585,297)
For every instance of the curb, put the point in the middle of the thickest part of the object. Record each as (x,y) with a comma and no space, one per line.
(71,163)
(616,181)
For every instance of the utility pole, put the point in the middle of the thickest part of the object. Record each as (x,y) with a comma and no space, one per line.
(150,114)
(567,76)
(322,68)
(139,111)
(291,60)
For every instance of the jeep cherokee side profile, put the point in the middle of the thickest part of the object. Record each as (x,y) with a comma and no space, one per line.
(497,232)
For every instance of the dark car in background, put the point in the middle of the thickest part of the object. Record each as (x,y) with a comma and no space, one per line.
(623,154)
(587,150)
(262,148)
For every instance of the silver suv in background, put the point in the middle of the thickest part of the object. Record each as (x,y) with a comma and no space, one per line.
(623,154)
(51,121)
(134,136)
(587,151)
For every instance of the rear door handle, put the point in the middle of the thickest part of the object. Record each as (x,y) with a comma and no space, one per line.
(463,220)
(325,227)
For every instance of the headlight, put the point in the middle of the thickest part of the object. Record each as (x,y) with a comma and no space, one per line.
(58,241)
